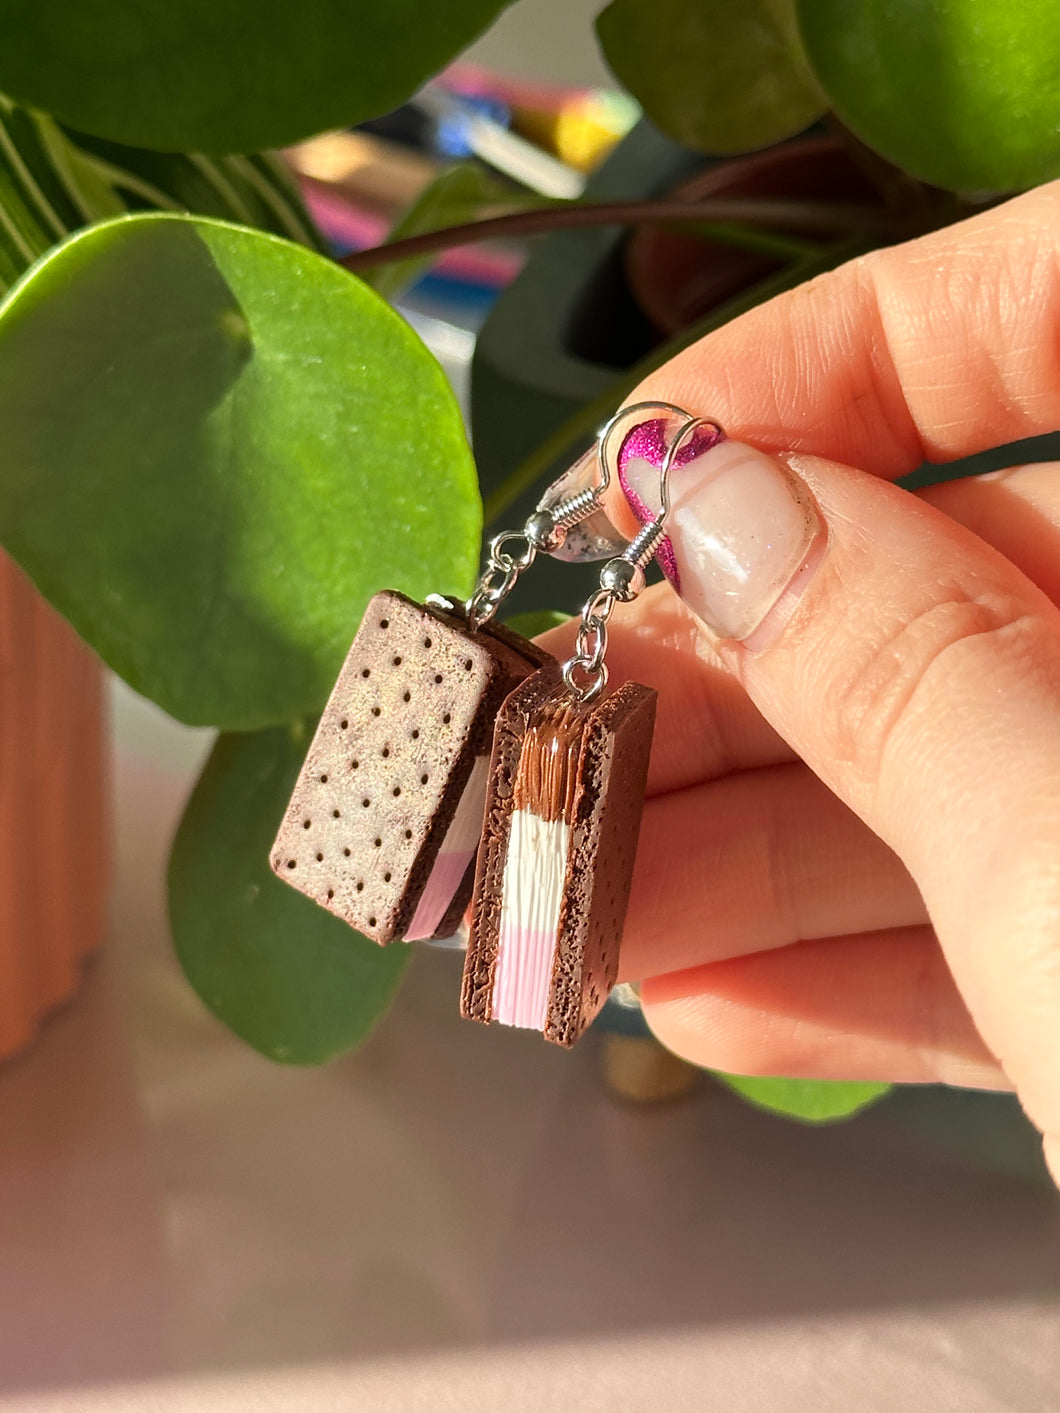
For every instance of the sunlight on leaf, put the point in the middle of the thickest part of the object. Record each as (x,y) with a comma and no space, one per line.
(217,446)
(961,93)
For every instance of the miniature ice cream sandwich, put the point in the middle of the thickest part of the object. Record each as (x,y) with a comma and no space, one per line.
(385,818)
(566,791)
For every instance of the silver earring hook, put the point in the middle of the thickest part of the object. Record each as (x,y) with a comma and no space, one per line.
(622,578)
(512,552)
(640,410)
(624,575)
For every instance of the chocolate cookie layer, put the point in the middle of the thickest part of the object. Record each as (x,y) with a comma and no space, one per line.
(373,810)
(591,823)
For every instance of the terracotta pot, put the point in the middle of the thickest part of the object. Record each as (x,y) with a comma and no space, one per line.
(54,817)
(678,278)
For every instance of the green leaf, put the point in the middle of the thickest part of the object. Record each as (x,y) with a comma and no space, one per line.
(256,190)
(216,446)
(814,1101)
(716,75)
(24,233)
(53,182)
(89,191)
(535,621)
(961,93)
(463,192)
(41,198)
(227,75)
(27,155)
(288,977)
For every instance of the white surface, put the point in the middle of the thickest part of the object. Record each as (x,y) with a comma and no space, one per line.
(535,870)
(459,1218)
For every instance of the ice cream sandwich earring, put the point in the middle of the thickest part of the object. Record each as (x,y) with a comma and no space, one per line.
(564,802)
(386,814)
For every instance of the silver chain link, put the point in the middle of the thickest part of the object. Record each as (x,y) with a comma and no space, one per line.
(621,579)
(586,672)
(500,576)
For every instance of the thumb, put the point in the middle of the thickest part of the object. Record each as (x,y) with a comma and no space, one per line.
(917,672)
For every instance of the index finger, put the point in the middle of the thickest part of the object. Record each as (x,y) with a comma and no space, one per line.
(931,350)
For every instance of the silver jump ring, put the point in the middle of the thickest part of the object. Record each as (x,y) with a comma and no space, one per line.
(499,555)
(592,684)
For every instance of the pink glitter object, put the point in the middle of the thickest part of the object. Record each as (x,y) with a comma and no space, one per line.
(649,441)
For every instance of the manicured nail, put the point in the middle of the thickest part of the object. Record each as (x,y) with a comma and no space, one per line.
(744,539)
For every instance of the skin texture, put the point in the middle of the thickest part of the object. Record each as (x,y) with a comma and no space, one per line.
(850,860)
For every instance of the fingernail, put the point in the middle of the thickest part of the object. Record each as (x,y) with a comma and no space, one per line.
(745,538)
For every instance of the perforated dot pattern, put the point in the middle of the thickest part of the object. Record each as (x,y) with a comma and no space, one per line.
(389,761)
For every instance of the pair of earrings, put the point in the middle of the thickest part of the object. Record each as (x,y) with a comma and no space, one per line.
(457,761)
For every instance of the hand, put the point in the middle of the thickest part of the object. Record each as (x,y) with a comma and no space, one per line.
(850,858)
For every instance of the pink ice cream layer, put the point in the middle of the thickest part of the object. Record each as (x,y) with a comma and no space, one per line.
(456,853)
(520,994)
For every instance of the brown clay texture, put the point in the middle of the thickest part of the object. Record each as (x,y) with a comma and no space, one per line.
(413,707)
(608,802)
(613,772)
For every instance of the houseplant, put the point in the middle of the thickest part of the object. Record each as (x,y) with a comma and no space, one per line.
(216,443)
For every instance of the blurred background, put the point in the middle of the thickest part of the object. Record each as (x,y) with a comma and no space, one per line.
(460,1218)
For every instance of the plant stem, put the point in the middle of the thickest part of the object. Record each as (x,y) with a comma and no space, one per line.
(815,217)
(897,188)
(914,207)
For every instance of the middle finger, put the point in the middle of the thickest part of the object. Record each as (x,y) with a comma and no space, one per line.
(755,861)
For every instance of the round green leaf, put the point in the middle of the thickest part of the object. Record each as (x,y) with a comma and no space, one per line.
(716,75)
(216,445)
(227,75)
(288,977)
(961,93)
(814,1101)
